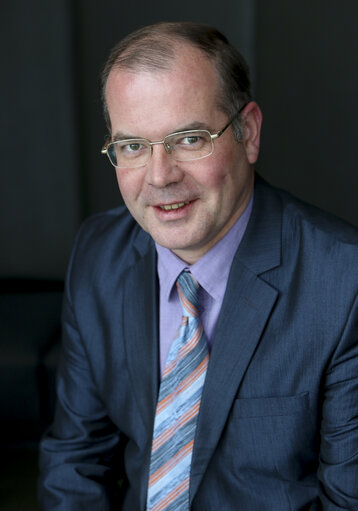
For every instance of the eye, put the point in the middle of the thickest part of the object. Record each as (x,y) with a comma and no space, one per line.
(190,140)
(132,148)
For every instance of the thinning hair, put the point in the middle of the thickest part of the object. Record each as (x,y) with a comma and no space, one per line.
(153,48)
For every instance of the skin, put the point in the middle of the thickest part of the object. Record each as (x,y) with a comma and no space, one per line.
(216,189)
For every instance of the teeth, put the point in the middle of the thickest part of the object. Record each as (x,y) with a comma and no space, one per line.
(169,207)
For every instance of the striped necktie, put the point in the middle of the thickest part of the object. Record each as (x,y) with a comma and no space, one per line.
(178,407)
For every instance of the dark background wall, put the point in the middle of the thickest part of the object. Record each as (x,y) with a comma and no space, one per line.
(303,57)
(307,83)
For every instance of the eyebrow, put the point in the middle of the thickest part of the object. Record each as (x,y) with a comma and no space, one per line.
(196,125)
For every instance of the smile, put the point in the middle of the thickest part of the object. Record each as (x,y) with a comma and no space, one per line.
(177,205)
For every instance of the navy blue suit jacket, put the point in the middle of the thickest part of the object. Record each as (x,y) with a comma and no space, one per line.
(278,423)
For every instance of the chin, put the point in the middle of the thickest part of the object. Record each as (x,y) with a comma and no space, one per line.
(164,242)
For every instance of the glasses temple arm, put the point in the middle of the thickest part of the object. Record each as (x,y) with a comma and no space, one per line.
(219,133)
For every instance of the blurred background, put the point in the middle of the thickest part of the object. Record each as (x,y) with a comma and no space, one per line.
(303,57)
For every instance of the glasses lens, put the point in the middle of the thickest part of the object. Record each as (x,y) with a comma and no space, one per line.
(190,145)
(129,153)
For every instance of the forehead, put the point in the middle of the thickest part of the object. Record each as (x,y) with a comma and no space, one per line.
(190,87)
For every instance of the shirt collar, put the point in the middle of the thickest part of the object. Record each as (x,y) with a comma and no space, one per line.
(211,270)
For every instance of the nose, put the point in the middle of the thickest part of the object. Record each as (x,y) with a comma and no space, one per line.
(162,169)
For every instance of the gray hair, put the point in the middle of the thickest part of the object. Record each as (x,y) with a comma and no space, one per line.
(152,48)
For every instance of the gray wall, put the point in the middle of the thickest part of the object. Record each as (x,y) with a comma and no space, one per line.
(303,56)
(307,62)
(39,198)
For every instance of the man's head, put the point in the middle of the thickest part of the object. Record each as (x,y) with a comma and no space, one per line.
(174,77)
(153,48)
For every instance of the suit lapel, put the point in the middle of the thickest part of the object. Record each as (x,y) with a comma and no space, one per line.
(140,329)
(245,311)
(239,330)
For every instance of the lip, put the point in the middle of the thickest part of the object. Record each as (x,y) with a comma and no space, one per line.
(173,205)
(174,210)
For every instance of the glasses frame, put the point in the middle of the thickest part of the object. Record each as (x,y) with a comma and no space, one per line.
(213,136)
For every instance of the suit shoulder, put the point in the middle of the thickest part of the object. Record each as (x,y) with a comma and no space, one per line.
(316,249)
(105,227)
(107,241)
(304,218)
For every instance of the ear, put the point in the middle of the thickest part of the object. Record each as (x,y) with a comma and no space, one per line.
(251,118)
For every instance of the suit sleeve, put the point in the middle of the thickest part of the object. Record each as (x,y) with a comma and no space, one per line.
(338,470)
(77,454)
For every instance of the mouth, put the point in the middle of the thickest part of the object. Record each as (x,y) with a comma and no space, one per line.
(175,205)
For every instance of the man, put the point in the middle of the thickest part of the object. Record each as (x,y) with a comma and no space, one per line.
(274,424)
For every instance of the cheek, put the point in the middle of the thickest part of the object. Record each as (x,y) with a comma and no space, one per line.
(210,173)
(232,170)
(129,183)
(217,177)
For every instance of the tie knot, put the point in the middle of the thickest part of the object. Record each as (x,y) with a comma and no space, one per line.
(188,289)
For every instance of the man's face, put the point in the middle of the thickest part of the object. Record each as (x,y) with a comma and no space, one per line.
(211,193)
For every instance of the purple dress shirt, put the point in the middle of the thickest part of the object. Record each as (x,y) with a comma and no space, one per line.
(212,273)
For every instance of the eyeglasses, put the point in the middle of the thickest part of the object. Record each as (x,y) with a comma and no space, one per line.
(186,145)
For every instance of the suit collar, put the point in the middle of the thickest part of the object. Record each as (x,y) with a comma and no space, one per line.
(140,327)
(260,249)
